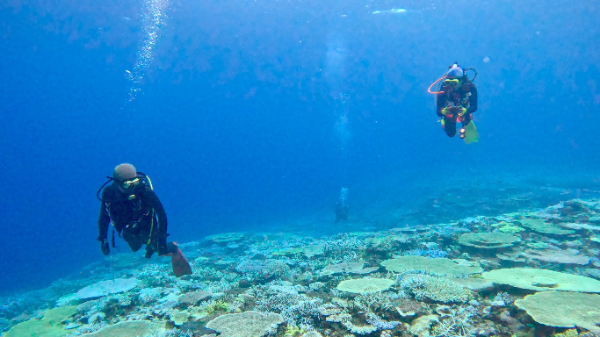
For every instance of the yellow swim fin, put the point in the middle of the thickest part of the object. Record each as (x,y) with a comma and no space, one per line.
(471,135)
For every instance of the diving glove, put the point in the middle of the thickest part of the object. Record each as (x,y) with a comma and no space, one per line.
(104,246)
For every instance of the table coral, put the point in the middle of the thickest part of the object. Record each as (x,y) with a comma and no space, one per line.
(362,286)
(438,266)
(542,279)
(48,326)
(247,324)
(557,256)
(354,267)
(104,288)
(493,240)
(540,225)
(563,309)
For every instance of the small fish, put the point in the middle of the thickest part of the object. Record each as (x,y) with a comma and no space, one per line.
(391,11)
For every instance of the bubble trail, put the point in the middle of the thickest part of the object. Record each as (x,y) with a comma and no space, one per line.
(152,22)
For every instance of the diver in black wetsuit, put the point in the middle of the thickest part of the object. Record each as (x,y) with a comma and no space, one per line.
(341,209)
(138,215)
(341,212)
(456,101)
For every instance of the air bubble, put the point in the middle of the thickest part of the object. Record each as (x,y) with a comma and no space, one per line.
(152,20)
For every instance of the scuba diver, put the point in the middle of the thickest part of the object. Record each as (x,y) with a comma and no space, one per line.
(341,209)
(456,100)
(137,215)
(341,212)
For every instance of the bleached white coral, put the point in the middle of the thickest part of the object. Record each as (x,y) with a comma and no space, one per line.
(435,288)
(457,324)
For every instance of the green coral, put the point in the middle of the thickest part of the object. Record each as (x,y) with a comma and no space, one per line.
(508,228)
(48,326)
(216,306)
(293,331)
(128,329)
(568,333)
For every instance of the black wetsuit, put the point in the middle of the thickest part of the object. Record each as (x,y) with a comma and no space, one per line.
(341,212)
(457,98)
(139,218)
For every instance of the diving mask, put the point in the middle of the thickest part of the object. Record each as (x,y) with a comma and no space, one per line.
(130,183)
(451,82)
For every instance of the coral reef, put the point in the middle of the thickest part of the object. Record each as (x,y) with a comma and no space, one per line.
(503,274)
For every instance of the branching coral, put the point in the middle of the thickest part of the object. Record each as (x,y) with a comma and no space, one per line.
(173,333)
(256,269)
(296,308)
(359,329)
(457,324)
(379,323)
(344,248)
(435,288)
(431,253)
(371,302)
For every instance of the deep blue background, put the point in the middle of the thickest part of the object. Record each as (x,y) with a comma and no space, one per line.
(236,122)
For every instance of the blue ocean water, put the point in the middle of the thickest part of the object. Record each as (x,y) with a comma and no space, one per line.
(254,114)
